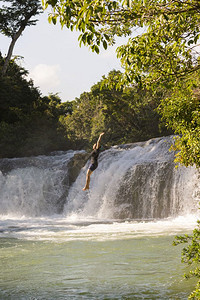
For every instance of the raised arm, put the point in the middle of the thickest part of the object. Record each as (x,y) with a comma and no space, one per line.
(99,139)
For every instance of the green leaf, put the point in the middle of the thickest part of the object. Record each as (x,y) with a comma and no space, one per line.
(191,42)
(52,2)
(89,39)
(105,45)
(166,17)
(196,38)
(84,38)
(54,19)
(96,49)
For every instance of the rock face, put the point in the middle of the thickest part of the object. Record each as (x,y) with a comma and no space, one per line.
(75,165)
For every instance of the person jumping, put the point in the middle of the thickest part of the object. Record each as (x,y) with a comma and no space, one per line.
(94,162)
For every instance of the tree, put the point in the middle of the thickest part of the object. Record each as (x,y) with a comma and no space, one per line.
(181,113)
(126,115)
(166,50)
(14,18)
(165,53)
(191,257)
(16,93)
(29,124)
(98,21)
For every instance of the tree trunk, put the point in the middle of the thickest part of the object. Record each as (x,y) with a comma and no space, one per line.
(10,51)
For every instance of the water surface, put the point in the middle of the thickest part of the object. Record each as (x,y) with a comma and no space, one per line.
(56,258)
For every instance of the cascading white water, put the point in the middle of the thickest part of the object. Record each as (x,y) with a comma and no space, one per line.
(34,186)
(136,181)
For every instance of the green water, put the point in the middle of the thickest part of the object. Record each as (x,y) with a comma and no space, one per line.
(133,268)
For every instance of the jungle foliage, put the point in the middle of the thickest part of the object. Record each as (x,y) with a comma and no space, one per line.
(165,53)
(29,122)
(15,16)
(126,115)
(181,111)
(191,257)
(166,48)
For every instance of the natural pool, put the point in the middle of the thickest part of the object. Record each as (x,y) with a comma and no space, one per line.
(57,258)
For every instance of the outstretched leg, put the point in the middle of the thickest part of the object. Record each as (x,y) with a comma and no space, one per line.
(87,185)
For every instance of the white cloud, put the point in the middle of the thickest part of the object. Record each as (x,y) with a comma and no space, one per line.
(46,77)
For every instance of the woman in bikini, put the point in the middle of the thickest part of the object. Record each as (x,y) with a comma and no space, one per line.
(94,162)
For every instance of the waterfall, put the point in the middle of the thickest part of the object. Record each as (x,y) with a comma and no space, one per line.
(136,181)
(37,186)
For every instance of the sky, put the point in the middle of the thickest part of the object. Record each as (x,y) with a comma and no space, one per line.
(55,61)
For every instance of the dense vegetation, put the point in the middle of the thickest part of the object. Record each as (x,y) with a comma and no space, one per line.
(31,124)
(126,115)
(181,111)
(164,54)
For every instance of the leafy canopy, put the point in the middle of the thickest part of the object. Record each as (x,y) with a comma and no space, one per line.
(181,113)
(17,13)
(30,124)
(166,53)
(13,20)
(165,50)
(126,115)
